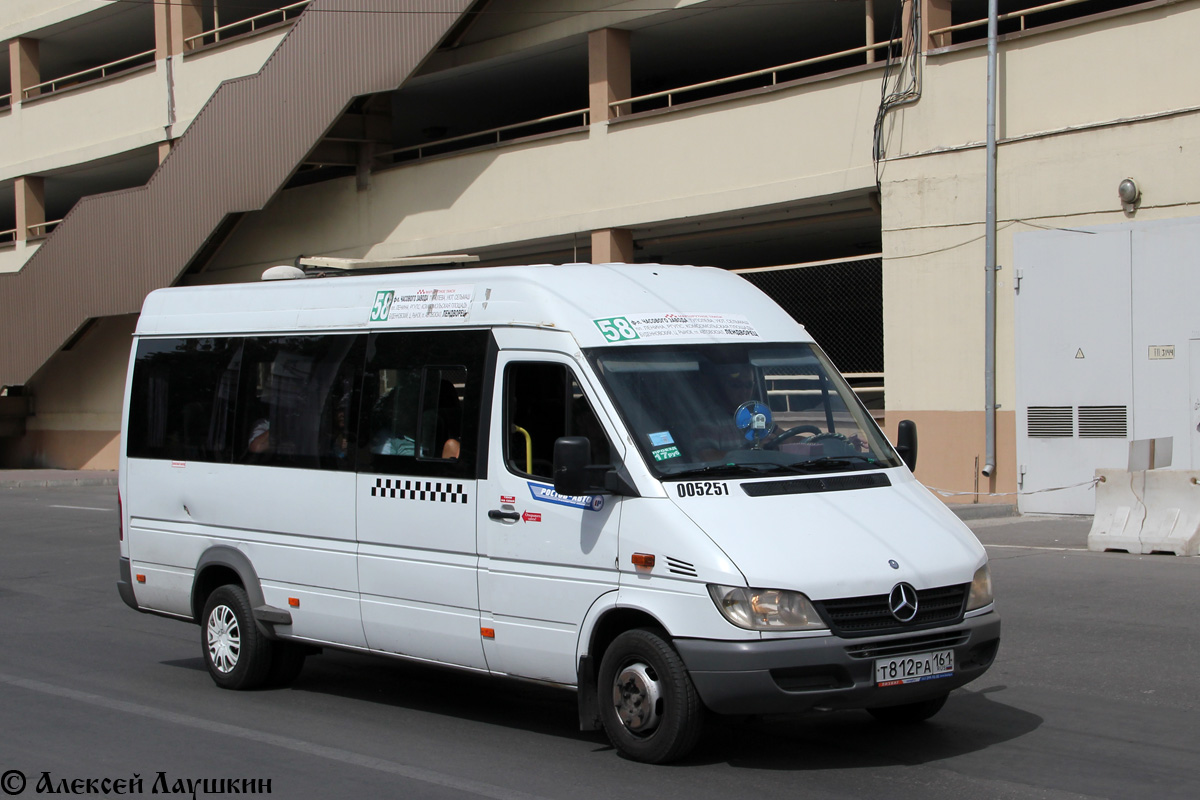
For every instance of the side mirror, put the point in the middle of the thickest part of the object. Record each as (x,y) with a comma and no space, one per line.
(906,445)
(572,454)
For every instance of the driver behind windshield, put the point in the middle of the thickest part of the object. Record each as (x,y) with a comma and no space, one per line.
(730,387)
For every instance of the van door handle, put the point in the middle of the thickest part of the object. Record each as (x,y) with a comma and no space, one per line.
(511,516)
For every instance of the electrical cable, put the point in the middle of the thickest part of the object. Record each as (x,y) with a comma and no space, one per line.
(909,66)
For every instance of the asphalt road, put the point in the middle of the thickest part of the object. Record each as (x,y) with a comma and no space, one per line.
(1094,694)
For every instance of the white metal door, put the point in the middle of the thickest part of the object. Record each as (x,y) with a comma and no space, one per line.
(1074,366)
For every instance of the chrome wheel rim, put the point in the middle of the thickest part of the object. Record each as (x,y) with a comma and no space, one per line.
(224,639)
(637,698)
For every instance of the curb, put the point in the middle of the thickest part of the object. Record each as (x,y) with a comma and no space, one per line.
(50,480)
(983,510)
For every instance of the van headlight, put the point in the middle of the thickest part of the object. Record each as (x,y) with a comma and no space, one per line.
(766,609)
(981,589)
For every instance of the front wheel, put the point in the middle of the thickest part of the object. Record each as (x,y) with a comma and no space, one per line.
(648,704)
(909,713)
(238,656)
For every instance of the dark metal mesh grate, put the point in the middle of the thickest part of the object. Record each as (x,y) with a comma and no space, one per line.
(840,304)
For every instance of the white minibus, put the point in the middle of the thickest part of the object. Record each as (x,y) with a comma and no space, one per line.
(644,483)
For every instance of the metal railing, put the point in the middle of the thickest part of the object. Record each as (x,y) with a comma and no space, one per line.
(8,237)
(773,72)
(5,100)
(419,151)
(41,229)
(247,25)
(498,133)
(1020,14)
(855,379)
(94,73)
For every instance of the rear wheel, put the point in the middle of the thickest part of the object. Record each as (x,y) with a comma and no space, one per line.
(909,713)
(648,704)
(238,656)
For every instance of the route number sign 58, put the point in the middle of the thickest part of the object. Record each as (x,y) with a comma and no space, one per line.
(616,329)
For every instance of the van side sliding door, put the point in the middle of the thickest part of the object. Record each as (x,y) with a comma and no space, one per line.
(418,457)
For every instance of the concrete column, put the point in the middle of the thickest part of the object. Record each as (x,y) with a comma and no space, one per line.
(181,19)
(23,67)
(31,205)
(164,150)
(934,14)
(608,72)
(870,30)
(612,246)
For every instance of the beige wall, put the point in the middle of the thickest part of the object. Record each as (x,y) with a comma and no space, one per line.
(77,400)
(122,114)
(14,255)
(948,446)
(734,155)
(197,75)
(1079,119)
(25,16)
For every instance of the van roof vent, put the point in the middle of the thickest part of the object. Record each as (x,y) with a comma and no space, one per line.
(328,266)
(283,272)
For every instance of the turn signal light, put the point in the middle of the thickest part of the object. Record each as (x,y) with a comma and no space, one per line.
(141,578)
(294,602)
(643,559)
(487,633)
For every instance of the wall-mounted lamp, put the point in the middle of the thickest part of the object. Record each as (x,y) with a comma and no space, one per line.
(1130,194)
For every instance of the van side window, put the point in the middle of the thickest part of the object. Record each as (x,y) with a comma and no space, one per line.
(421,403)
(296,401)
(181,403)
(543,402)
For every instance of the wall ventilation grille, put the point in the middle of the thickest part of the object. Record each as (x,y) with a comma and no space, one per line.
(1103,422)
(1051,422)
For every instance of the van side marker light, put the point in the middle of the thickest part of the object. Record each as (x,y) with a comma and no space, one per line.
(294,602)
(487,633)
(141,578)
(643,559)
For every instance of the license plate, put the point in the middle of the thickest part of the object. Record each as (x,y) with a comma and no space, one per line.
(915,668)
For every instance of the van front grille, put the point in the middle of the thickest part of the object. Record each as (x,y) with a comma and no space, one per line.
(866,616)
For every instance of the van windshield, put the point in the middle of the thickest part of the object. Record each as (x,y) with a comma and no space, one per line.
(719,410)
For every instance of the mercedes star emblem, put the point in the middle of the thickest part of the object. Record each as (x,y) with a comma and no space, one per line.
(902,602)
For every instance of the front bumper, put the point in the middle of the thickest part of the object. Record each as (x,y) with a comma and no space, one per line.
(829,672)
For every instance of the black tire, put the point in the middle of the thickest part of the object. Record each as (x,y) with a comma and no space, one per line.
(236,653)
(287,660)
(909,713)
(648,704)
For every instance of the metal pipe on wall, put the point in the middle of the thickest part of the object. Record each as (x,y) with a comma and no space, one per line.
(989,468)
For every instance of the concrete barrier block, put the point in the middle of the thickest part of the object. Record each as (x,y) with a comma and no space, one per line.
(1120,511)
(1172,523)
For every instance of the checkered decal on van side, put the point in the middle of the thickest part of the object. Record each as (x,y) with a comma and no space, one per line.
(432,491)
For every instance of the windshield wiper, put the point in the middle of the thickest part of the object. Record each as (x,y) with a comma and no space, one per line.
(836,462)
(727,470)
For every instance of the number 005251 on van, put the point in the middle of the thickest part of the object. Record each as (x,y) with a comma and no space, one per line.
(643,483)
